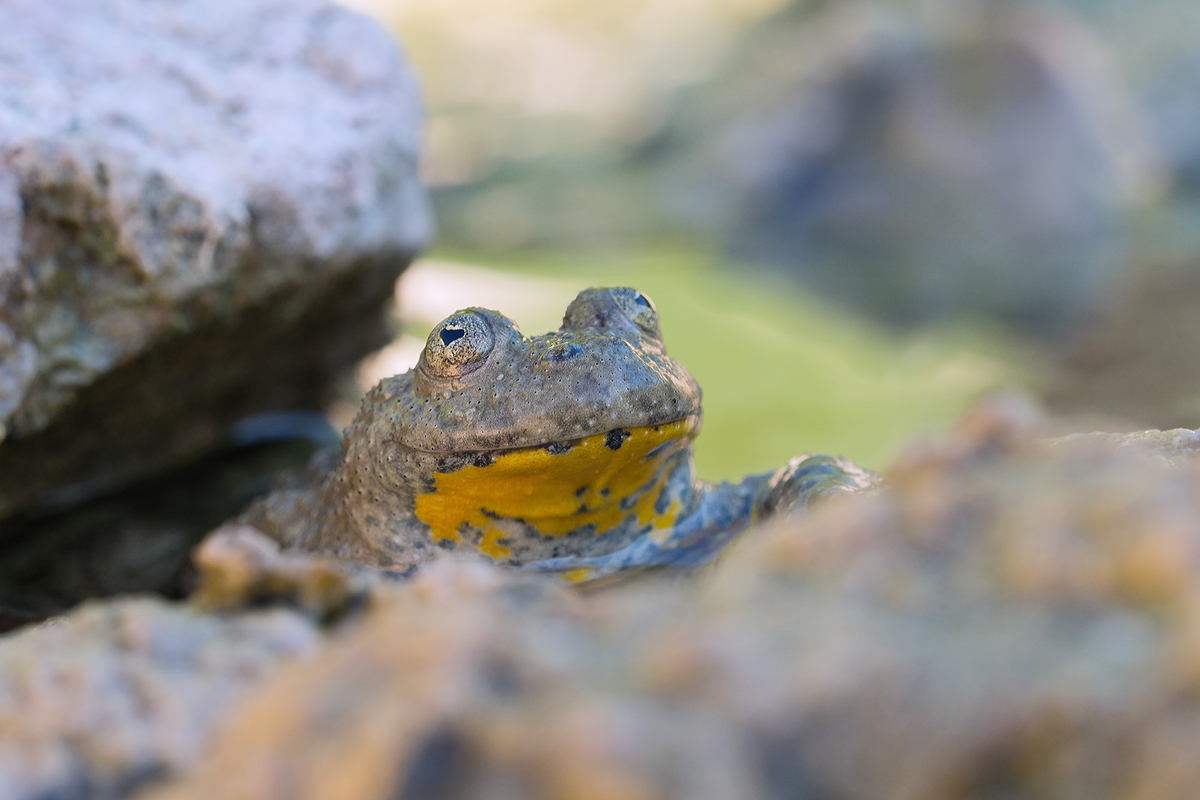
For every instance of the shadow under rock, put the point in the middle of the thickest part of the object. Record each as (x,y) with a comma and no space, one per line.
(139,539)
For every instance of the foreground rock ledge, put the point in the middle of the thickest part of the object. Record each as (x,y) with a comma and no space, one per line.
(203,207)
(1005,618)
(128,692)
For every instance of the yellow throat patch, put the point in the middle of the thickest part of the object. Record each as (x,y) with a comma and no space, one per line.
(559,493)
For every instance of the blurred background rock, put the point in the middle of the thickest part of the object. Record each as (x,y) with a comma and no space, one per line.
(1014,183)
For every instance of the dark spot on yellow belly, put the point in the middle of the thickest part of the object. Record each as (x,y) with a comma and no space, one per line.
(614,439)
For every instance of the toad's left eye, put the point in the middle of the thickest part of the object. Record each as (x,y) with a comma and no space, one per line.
(457,346)
(638,307)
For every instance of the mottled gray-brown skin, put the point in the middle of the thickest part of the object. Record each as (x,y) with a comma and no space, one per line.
(480,389)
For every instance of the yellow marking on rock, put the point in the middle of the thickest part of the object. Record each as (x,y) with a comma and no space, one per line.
(560,493)
(577,575)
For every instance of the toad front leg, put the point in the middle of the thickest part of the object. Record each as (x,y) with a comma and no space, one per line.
(724,513)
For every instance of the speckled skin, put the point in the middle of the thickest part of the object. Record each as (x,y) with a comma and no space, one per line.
(481,390)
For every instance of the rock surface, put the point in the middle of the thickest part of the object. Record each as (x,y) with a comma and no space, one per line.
(1134,366)
(127,692)
(1006,618)
(239,567)
(203,207)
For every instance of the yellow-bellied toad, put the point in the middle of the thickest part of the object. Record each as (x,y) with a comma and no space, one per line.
(569,451)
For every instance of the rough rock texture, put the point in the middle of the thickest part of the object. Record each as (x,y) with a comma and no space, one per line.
(203,206)
(1007,619)
(1173,446)
(122,693)
(239,566)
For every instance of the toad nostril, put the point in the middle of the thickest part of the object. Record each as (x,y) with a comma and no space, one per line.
(452,335)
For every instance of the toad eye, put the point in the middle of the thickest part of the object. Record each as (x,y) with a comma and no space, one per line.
(638,307)
(458,345)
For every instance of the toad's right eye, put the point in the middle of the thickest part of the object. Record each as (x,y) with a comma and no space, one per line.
(458,345)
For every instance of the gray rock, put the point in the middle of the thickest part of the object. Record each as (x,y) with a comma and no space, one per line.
(1176,112)
(1134,366)
(116,695)
(923,171)
(1005,618)
(203,206)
